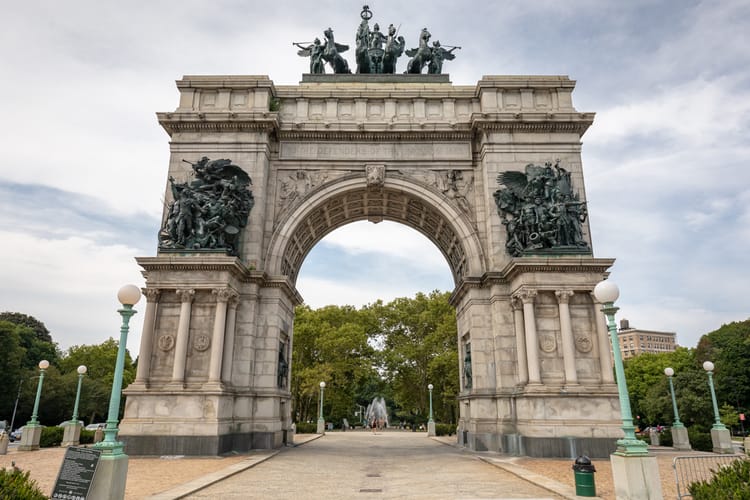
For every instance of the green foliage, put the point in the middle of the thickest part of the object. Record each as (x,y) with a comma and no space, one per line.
(51,437)
(700,440)
(389,350)
(445,429)
(17,485)
(87,437)
(40,331)
(731,482)
(729,349)
(665,438)
(306,428)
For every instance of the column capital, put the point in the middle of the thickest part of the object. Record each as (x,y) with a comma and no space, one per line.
(223,294)
(152,294)
(563,296)
(527,296)
(515,303)
(186,294)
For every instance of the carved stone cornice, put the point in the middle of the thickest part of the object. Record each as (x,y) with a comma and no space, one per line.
(285,285)
(585,264)
(170,261)
(219,121)
(532,121)
(375,136)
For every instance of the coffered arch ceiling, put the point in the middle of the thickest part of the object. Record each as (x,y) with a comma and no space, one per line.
(399,200)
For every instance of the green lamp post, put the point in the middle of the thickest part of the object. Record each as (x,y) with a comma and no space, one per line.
(709,367)
(81,372)
(430,422)
(128,295)
(43,365)
(429,388)
(321,420)
(607,293)
(669,372)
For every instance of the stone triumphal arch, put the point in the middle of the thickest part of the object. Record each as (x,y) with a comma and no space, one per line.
(491,173)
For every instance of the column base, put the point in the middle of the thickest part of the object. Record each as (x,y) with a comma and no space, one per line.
(636,477)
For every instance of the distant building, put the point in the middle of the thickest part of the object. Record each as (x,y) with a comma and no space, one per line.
(634,341)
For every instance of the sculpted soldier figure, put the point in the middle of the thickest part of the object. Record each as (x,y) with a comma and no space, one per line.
(315,52)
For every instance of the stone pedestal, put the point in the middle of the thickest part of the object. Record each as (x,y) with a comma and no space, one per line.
(430,429)
(71,434)
(653,435)
(321,427)
(30,437)
(110,478)
(721,439)
(747,446)
(636,478)
(3,443)
(680,440)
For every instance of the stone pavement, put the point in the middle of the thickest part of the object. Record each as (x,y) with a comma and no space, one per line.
(358,464)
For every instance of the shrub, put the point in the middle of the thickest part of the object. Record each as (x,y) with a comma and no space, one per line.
(700,441)
(16,485)
(445,429)
(87,437)
(730,482)
(306,428)
(665,438)
(51,436)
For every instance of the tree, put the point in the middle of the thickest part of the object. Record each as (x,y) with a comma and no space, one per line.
(420,346)
(729,349)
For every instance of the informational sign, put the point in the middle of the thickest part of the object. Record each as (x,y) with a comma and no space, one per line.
(76,473)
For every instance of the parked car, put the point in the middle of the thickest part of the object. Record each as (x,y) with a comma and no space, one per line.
(15,435)
(93,427)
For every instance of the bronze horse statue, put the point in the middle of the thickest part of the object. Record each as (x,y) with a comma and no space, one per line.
(331,53)
(419,57)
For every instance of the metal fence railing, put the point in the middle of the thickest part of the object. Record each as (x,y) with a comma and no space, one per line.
(690,469)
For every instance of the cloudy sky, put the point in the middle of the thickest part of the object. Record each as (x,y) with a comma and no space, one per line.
(83,178)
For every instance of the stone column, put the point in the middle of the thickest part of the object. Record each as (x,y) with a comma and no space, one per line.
(147,336)
(226,365)
(523,370)
(183,333)
(529,322)
(602,335)
(217,341)
(568,343)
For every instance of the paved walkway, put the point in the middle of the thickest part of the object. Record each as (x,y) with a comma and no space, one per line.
(362,465)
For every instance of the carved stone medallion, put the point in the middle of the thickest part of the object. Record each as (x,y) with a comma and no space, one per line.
(202,342)
(547,343)
(166,342)
(583,343)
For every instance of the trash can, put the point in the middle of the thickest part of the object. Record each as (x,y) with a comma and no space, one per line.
(584,477)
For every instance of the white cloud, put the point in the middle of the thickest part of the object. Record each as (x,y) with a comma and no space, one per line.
(387,238)
(70,284)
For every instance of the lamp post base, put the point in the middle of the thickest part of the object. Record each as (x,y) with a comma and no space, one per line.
(71,434)
(430,428)
(680,440)
(110,478)
(636,477)
(321,427)
(30,437)
(721,440)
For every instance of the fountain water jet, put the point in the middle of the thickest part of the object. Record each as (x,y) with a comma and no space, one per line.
(377,412)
